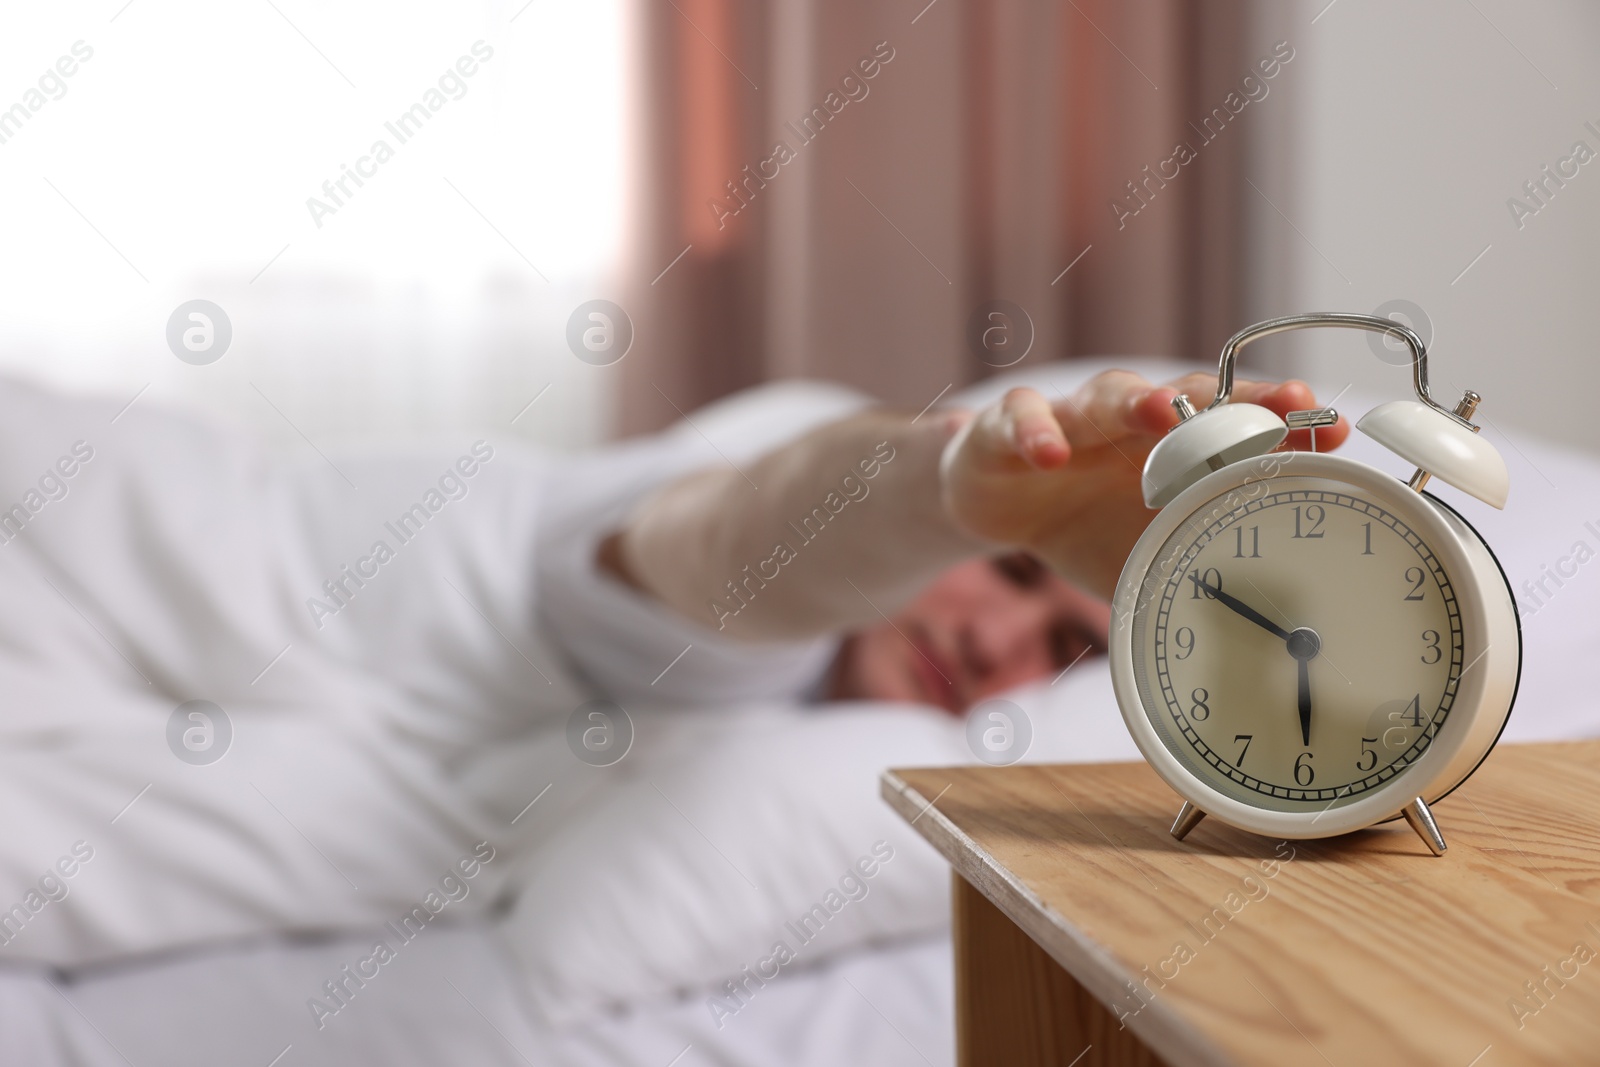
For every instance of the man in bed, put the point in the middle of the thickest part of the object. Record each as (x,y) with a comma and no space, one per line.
(980,555)
(388,652)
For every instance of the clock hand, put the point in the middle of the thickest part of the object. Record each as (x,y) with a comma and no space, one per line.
(1304,645)
(1241,607)
(1305,700)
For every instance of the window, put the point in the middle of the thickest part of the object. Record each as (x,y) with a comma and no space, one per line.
(154,153)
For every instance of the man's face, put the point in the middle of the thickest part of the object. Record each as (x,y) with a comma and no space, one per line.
(981,628)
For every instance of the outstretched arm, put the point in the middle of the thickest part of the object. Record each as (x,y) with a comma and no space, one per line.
(847,521)
(852,519)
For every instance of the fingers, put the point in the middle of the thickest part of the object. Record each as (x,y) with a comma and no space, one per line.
(1020,429)
(1200,388)
(1284,397)
(1117,404)
(1034,433)
(1112,405)
(1278,397)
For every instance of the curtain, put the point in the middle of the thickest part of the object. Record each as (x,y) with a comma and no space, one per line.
(906,196)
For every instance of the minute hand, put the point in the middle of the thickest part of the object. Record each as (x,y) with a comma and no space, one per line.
(1241,607)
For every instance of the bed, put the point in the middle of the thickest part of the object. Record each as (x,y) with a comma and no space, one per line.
(456,1001)
(635,928)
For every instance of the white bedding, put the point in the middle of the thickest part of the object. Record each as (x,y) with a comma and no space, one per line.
(539,985)
(453,999)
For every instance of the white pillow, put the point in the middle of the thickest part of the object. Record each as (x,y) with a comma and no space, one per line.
(1074,719)
(722,832)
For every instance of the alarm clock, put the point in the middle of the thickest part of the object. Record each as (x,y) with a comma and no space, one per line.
(1303,645)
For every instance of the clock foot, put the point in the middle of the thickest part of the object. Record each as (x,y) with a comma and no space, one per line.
(1188,818)
(1421,820)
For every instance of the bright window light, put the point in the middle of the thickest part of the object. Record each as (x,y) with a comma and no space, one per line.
(424,190)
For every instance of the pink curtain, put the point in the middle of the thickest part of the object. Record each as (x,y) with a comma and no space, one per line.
(845,190)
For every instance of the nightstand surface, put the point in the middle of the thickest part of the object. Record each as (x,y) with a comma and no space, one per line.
(1229,948)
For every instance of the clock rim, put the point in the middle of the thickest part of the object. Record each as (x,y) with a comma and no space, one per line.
(1459,747)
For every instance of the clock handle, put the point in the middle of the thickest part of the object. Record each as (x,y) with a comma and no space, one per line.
(1347,320)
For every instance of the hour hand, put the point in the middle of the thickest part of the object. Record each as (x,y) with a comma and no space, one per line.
(1235,604)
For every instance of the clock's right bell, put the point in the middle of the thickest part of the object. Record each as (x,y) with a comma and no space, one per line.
(1447,449)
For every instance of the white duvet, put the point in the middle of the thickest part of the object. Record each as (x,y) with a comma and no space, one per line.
(415,727)
(247,697)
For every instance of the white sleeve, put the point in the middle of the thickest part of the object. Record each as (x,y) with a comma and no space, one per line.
(627,645)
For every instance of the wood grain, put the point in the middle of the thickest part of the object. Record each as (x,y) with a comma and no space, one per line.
(1017,1007)
(1357,951)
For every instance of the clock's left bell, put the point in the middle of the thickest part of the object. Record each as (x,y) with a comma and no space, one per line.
(1206,441)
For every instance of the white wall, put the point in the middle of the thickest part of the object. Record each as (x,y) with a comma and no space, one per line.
(176,163)
(1404,131)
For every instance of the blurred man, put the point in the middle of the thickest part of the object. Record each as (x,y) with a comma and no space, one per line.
(981,560)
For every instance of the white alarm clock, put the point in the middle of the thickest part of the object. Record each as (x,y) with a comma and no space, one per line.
(1302,645)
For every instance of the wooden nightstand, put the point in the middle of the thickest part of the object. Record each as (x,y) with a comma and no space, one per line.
(1084,934)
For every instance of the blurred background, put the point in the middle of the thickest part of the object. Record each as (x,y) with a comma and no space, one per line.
(902,195)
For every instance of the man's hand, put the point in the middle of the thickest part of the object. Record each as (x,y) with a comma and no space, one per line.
(1062,478)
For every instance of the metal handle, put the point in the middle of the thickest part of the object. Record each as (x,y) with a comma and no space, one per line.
(1348,320)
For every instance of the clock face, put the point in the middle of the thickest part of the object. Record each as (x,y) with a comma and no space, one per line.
(1296,644)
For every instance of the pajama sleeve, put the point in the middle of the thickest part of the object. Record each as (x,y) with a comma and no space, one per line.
(628,646)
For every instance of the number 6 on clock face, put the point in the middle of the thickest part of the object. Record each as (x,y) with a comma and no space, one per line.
(1302,645)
